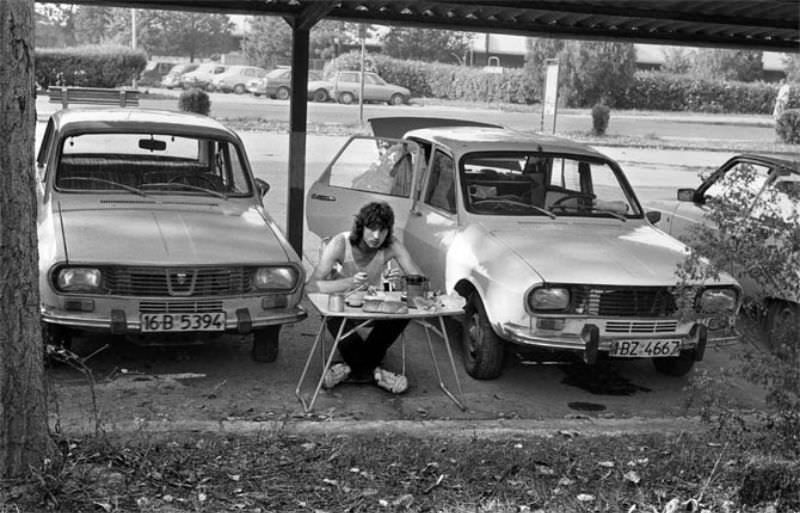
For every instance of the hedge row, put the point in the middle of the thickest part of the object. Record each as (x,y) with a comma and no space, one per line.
(648,90)
(447,81)
(669,92)
(94,66)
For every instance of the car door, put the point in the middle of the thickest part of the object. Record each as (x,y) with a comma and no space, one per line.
(374,89)
(366,169)
(725,180)
(433,221)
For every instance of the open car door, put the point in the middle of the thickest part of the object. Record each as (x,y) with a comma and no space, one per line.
(366,169)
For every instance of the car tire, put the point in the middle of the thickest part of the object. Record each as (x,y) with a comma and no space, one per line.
(782,323)
(210,88)
(397,99)
(265,344)
(346,98)
(239,89)
(320,95)
(675,366)
(483,349)
(282,93)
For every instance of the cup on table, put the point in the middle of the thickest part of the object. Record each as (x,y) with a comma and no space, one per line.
(336,302)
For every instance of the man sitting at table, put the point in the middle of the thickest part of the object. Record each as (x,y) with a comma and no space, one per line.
(356,260)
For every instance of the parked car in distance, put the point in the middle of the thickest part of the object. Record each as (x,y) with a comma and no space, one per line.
(345,87)
(173,78)
(759,178)
(235,79)
(202,75)
(154,72)
(277,83)
(543,237)
(152,226)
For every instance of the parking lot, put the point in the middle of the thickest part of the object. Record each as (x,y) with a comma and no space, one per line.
(220,382)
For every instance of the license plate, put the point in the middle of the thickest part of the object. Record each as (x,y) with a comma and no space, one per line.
(210,321)
(645,348)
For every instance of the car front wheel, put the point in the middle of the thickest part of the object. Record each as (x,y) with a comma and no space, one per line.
(483,349)
(320,95)
(675,366)
(282,93)
(265,344)
(239,89)
(346,98)
(397,99)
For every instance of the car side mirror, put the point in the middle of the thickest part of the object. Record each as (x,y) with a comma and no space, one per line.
(263,187)
(686,194)
(654,216)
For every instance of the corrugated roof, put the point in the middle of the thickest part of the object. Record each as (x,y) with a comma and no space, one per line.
(756,24)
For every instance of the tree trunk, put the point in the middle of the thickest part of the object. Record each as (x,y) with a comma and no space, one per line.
(24,437)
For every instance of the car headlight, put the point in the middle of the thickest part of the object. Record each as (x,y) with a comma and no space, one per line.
(717,300)
(275,278)
(548,299)
(78,279)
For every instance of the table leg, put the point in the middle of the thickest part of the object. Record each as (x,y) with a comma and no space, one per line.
(444,388)
(307,407)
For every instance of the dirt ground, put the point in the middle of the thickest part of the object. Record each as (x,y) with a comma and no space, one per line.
(218,382)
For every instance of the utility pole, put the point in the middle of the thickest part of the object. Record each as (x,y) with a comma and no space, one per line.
(133,37)
(362,31)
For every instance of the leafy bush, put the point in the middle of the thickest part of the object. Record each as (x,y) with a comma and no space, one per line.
(89,66)
(600,116)
(655,90)
(195,100)
(739,221)
(788,126)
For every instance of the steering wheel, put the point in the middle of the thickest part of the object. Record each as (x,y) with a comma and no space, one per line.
(187,180)
(573,195)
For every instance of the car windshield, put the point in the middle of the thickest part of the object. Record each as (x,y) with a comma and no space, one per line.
(151,163)
(536,184)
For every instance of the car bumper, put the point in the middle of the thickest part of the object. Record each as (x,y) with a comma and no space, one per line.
(120,316)
(686,333)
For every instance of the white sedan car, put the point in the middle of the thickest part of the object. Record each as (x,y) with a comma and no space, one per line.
(151,225)
(544,238)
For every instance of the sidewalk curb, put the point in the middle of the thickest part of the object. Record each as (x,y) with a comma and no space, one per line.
(482,429)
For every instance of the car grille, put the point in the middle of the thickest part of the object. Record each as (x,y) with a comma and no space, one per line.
(641,327)
(177,281)
(623,301)
(180,306)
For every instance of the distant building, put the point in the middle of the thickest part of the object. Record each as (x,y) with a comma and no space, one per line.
(498,51)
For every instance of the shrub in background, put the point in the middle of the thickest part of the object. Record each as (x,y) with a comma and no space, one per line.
(788,126)
(600,116)
(195,100)
(89,66)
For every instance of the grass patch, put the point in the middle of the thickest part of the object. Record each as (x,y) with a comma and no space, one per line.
(394,472)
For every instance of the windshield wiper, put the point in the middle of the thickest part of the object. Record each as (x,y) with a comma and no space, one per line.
(212,192)
(611,213)
(128,188)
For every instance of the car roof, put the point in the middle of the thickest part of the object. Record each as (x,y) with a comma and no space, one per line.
(771,160)
(138,120)
(472,138)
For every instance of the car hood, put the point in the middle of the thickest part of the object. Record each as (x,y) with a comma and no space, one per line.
(625,254)
(170,236)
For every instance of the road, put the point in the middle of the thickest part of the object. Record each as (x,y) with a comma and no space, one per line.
(219,381)
(664,125)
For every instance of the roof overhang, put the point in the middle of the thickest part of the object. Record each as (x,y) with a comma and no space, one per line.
(772,25)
